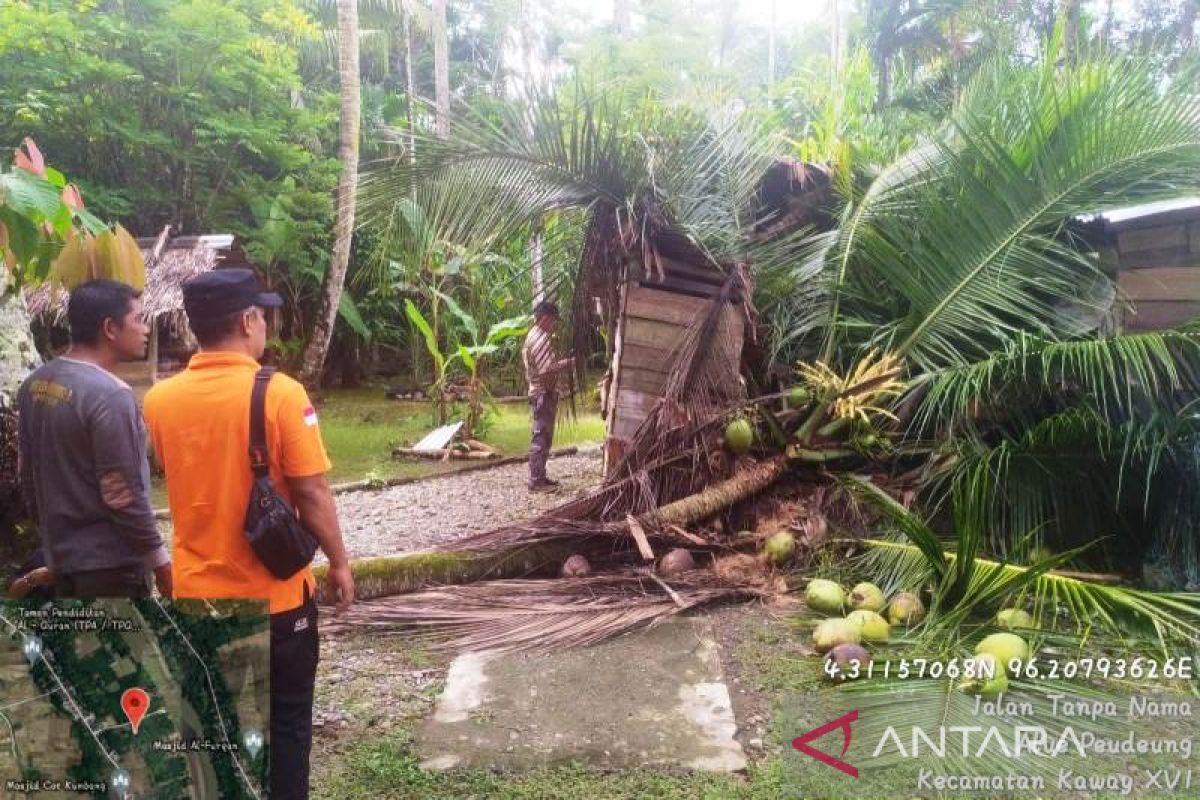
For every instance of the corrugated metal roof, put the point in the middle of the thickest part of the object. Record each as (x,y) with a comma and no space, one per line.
(1145,214)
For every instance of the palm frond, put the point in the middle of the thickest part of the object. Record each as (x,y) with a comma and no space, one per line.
(1123,613)
(992,257)
(1114,375)
(513,615)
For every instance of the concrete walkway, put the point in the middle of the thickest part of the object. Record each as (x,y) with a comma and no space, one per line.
(651,698)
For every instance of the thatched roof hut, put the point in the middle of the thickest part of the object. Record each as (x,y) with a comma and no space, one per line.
(169,263)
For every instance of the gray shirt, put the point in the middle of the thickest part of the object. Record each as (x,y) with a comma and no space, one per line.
(84,470)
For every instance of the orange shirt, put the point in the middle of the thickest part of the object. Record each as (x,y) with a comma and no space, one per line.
(199,423)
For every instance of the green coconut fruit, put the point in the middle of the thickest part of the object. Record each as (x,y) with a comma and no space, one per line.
(739,435)
(905,609)
(829,633)
(844,655)
(824,596)
(798,397)
(1005,648)
(1015,618)
(986,664)
(867,596)
(779,547)
(873,627)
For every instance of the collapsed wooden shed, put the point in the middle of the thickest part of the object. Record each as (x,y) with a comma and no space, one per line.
(669,284)
(658,306)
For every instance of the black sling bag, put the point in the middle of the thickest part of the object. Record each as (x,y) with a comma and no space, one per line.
(274,531)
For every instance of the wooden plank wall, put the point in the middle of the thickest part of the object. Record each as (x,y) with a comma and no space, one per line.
(1160,275)
(650,331)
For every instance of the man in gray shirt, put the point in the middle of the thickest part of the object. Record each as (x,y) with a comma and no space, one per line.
(83,454)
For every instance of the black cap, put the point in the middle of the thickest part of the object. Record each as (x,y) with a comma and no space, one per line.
(224,291)
(545,308)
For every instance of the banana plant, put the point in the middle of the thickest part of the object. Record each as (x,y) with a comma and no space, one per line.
(470,352)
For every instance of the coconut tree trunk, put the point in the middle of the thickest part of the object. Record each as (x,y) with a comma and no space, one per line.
(622,21)
(771,56)
(745,483)
(535,264)
(410,89)
(441,68)
(1070,12)
(18,356)
(335,276)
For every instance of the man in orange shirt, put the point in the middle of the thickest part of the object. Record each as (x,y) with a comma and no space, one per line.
(199,425)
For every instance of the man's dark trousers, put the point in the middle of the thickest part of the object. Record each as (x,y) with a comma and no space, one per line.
(544,408)
(132,581)
(294,652)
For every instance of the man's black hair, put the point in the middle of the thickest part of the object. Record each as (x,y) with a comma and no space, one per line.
(545,308)
(211,331)
(95,301)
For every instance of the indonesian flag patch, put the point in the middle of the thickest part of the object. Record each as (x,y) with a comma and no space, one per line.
(310,416)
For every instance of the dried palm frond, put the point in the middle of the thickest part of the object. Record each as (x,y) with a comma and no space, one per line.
(514,615)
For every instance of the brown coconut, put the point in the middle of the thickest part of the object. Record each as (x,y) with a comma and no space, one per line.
(677,561)
(576,566)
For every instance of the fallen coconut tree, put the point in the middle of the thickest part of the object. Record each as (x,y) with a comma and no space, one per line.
(541,544)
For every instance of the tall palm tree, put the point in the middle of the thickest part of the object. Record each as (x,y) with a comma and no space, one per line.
(349,119)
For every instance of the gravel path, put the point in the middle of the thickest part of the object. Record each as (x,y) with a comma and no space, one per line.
(426,513)
(423,514)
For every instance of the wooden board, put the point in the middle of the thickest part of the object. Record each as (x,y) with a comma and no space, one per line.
(1159,314)
(663,336)
(643,380)
(1136,239)
(438,438)
(653,304)
(674,283)
(1159,257)
(1161,283)
(651,359)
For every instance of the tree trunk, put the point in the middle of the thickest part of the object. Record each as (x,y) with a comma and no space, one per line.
(335,276)
(18,356)
(771,57)
(1070,12)
(535,264)
(884,95)
(1106,32)
(441,68)
(410,89)
(745,483)
(1187,24)
(622,20)
(728,13)
(379,577)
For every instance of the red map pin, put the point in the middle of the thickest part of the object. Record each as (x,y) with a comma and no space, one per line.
(135,702)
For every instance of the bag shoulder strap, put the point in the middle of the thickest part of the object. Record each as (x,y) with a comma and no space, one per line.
(259,456)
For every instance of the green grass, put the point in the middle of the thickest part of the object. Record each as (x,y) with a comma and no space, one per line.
(386,768)
(361,427)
